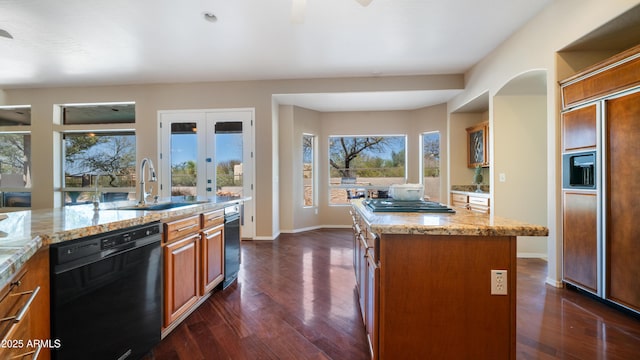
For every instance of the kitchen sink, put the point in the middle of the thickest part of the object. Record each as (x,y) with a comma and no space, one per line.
(160,206)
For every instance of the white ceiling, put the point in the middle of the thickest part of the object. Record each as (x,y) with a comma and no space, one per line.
(80,42)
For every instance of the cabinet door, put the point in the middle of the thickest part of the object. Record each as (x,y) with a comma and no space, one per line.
(212,258)
(479,204)
(459,200)
(371,304)
(478,145)
(579,128)
(27,293)
(181,260)
(623,192)
(580,234)
(362,274)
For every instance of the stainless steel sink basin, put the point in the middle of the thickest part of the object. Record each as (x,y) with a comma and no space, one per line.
(161,206)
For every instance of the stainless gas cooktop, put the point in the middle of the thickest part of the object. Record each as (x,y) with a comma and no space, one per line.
(390,205)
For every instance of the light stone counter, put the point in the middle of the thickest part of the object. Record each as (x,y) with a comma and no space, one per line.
(22,233)
(463,222)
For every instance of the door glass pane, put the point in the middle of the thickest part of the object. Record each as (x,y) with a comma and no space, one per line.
(228,155)
(184,150)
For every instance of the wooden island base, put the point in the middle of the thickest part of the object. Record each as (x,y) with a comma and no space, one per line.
(427,293)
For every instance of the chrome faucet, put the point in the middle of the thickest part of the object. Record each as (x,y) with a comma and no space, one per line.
(152,174)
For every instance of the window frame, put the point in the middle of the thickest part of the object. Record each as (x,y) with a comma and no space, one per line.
(60,130)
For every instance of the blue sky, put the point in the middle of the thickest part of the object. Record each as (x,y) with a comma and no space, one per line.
(184,147)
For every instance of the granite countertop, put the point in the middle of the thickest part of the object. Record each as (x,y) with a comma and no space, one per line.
(463,222)
(22,233)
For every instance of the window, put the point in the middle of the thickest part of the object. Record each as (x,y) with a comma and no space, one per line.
(431,165)
(15,156)
(362,166)
(103,162)
(308,164)
(99,160)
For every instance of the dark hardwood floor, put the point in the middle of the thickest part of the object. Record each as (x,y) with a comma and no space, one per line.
(295,299)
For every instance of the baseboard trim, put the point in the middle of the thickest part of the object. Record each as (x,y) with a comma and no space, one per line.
(525,255)
(554,283)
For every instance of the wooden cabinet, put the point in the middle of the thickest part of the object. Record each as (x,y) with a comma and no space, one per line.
(371,303)
(181,275)
(604,101)
(471,201)
(579,128)
(580,245)
(193,263)
(478,145)
(365,263)
(622,208)
(24,312)
(615,74)
(429,296)
(212,250)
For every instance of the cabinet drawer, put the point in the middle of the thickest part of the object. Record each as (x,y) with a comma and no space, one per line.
(212,218)
(15,314)
(478,201)
(181,228)
(458,198)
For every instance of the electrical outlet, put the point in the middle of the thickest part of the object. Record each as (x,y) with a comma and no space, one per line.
(502,177)
(499,282)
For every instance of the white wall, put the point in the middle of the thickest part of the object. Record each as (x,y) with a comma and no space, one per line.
(429,119)
(534,47)
(154,97)
(519,125)
(460,174)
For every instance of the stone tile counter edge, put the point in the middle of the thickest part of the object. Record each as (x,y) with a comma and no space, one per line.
(463,222)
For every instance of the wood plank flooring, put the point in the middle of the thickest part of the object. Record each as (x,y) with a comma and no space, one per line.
(295,299)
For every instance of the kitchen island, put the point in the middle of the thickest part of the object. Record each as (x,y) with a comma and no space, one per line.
(437,285)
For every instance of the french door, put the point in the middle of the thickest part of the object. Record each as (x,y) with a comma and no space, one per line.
(205,153)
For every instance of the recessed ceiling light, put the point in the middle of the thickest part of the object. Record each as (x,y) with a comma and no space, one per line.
(209,16)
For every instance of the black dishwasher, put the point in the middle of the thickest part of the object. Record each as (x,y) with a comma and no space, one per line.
(106,294)
(231,245)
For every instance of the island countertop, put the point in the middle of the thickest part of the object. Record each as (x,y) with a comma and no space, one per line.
(463,222)
(22,233)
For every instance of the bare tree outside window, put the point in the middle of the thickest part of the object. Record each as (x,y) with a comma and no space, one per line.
(366,161)
(109,158)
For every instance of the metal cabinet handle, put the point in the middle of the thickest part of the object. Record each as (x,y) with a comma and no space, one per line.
(35,353)
(187,227)
(26,306)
